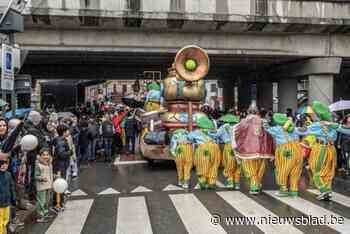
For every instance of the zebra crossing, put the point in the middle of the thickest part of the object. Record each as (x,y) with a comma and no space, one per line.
(196,211)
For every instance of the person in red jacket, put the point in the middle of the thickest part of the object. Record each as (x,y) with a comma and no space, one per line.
(117,119)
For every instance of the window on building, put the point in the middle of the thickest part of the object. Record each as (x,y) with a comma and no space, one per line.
(177,5)
(134,5)
(213,88)
(125,88)
(261,7)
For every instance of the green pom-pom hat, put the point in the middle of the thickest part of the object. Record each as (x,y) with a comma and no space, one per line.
(229,118)
(280,119)
(153,86)
(205,123)
(322,111)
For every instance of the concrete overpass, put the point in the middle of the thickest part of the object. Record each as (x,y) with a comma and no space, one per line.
(256,41)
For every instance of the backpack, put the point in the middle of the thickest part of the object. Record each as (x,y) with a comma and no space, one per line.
(107,129)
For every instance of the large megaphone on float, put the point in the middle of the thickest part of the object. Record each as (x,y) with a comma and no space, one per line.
(191,63)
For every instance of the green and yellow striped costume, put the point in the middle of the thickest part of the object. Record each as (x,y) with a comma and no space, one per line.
(207,161)
(322,162)
(289,165)
(232,170)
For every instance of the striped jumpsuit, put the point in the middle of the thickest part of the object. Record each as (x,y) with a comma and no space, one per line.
(207,156)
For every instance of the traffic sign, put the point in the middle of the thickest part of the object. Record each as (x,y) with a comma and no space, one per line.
(7,68)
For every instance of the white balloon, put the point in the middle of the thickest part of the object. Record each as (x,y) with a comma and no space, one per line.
(60,185)
(29,142)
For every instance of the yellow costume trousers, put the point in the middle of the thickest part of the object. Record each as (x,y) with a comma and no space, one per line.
(254,170)
(151,106)
(322,162)
(122,136)
(207,161)
(184,161)
(289,165)
(4,219)
(232,170)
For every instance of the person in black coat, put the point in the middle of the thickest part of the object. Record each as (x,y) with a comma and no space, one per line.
(33,126)
(83,141)
(61,159)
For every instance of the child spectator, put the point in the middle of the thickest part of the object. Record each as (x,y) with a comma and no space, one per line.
(7,193)
(44,180)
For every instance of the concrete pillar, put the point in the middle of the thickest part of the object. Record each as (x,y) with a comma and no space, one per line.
(244,95)
(287,94)
(228,91)
(265,97)
(321,88)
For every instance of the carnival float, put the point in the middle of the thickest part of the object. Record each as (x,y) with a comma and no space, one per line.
(174,103)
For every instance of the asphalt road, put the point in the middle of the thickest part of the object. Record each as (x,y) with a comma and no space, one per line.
(138,198)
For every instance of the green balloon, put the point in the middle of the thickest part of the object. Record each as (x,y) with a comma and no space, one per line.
(190,64)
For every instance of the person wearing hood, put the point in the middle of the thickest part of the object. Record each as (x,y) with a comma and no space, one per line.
(289,156)
(33,126)
(182,150)
(207,155)
(232,168)
(323,155)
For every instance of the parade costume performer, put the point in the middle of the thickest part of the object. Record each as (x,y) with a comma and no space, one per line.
(323,155)
(207,155)
(253,146)
(288,155)
(182,150)
(153,97)
(232,168)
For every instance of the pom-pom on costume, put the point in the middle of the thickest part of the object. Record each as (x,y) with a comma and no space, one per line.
(232,168)
(288,155)
(207,155)
(182,150)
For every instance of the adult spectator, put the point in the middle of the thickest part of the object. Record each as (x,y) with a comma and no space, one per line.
(131,132)
(33,126)
(61,157)
(117,120)
(107,131)
(93,134)
(83,141)
(344,143)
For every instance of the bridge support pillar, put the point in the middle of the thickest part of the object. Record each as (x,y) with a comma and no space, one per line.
(228,93)
(321,88)
(265,97)
(287,94)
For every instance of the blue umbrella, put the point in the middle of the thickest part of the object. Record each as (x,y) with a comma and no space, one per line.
(19,113)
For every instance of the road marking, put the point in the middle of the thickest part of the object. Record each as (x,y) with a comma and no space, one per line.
(133,217)
(72,219)
(337,197)
(309,208)
(220,185)
(118,162)
(78,193)
(172,187)
(141,189)
(194,215)
(250,208)
(108,191)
